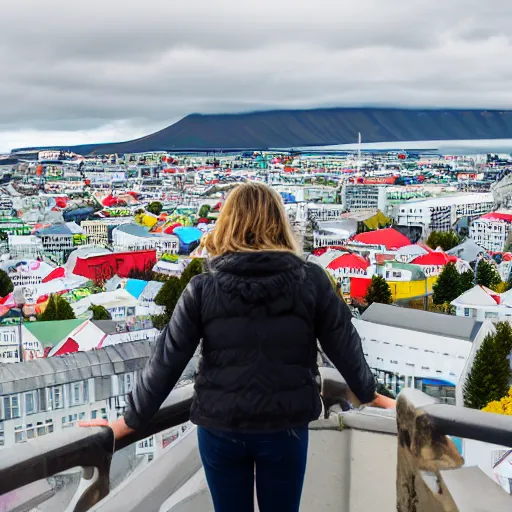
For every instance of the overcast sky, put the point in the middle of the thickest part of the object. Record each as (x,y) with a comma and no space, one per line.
(104,70)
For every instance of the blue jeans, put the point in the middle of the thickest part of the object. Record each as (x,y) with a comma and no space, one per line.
(231,459)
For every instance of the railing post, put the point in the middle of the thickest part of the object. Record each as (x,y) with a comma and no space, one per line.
(422,454)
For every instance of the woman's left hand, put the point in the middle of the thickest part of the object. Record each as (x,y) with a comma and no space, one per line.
(383,402)
(119,427)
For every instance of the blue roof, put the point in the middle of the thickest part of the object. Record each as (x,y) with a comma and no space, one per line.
(135,287)
(56,229)
(188,235)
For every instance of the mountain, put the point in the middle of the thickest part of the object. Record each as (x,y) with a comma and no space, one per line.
(319,127)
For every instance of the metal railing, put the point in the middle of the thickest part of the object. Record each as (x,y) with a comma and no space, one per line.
(423,449)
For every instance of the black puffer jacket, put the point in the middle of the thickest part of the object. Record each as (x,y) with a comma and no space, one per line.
(259,316)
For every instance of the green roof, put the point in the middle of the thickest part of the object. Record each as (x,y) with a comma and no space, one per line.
(417,274)
(51,333)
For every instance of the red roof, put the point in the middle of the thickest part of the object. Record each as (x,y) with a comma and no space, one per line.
(497,216)
(434,258)
(348,261)
(389,237)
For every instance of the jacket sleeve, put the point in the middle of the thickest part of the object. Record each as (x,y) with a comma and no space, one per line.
(173,350)
(340,340)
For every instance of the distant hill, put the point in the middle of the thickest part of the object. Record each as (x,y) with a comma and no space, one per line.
(319,127)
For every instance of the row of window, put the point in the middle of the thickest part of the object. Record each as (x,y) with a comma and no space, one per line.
(44,399)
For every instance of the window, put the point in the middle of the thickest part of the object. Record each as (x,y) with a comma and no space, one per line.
(31,433)
(104,414)
(55,400)
(41,394)
(76,393)
(30,406)
(49,426)
(94,415)
(19,434)
(11,407)
(467,312)
(86,392)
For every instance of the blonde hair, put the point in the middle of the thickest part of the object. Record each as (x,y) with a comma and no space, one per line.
(252,219)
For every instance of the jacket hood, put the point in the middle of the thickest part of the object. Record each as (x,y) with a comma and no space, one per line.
(258,276)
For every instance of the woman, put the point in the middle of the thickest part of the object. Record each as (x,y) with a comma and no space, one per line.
(259,310)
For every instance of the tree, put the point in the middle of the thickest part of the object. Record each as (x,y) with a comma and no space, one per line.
(503,406)
(445,239)
(447,287)
(486,274)
(490,374)
(155,208)
(379,291)
(171,291)
(194,268)
(169,295)
(50,312)
(6,286)
(100,313)
(204,210)
(64,309)
(466,281)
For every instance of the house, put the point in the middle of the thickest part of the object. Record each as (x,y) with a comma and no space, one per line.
(48,334)
(492,231)
(468,250)
(10,344)
(405,281)
(101,267)
(96,334)
(27,273)
(119,303)
(482,303)
(58,238)
(413,348)
(133,237)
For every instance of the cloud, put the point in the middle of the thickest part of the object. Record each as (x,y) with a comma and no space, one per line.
(82,71)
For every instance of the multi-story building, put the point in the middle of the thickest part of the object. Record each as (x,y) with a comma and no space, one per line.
(492,231)
(60,391)
(10,345)
(25,246)
(99,232)
(364,197)
(441,214)
(59,239)
(413,348)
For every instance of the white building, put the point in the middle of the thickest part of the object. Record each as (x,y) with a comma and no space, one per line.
(99,232)
(58,392)
(492,231)
(482,303)
(119,303)
(441,213)
(413,348)
(25,246)
(61,391)
(10,345)
(364,197)
(132,237)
